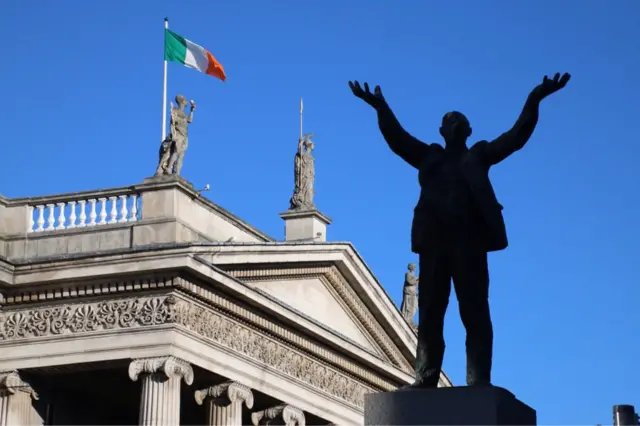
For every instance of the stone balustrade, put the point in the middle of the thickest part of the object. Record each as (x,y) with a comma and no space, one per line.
(55,215)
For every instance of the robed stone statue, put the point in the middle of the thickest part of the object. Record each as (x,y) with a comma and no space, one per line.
(304,175)
(409,305)
(174,147)
(457,220)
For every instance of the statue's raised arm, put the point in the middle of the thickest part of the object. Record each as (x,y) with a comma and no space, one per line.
(399,140)
(516,137)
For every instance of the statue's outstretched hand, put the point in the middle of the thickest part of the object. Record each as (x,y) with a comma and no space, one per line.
(550,86)
(374,99)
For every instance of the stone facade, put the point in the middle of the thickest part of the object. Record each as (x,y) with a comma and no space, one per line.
(178,312)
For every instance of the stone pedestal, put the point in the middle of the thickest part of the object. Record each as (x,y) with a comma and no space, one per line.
(305,225)
(16,397)
(447,406)
(160,396)
(168,178)
(224,403)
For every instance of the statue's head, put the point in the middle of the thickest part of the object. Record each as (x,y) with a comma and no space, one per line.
(455,128)
(181,100)
(309,145)
(412,267)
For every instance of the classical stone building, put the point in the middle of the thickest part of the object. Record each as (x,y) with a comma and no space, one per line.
(150,304)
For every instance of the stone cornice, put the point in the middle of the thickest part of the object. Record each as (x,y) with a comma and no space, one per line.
(192,316)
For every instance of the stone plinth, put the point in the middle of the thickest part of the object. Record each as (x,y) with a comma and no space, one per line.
(305,225)
(447,406)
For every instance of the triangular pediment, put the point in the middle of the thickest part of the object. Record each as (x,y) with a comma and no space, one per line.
(321,292)
(315,298)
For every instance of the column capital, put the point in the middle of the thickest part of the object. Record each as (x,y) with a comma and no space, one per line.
(11,382)
(287,414)
(225,394)
(170,366)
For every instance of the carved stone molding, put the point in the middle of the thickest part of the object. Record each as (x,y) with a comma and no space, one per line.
(78,318)
(170,366)
(226,393)
(29,317)
(279,415)
(11,383)
(261,347)
(193,316)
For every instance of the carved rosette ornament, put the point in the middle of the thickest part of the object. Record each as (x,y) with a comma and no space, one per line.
(160,399)
(224,403)
(15,401)
(279,415)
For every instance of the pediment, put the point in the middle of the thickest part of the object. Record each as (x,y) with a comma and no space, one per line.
(323,294)
(315,298)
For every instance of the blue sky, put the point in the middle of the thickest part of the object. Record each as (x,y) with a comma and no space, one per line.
(81,84)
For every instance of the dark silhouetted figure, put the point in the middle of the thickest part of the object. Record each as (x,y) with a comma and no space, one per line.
(456,222)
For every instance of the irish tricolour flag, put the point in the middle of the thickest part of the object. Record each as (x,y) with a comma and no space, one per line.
(179,49)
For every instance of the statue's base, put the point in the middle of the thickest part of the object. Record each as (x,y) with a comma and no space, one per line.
(303,224)
(463,405)
(168,178)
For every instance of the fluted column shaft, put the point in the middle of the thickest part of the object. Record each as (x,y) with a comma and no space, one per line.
(16,398)
(224,403)
(160,394)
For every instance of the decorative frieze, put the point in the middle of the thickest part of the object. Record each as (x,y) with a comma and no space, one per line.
(78,318)
(261,347)
(202,320)
(24,297)
(284,414)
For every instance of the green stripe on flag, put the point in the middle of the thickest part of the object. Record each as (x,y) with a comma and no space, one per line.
(175,47)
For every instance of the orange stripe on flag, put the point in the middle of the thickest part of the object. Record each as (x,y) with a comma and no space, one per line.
(215,68)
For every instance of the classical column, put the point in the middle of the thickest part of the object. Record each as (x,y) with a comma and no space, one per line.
(160,398)
(285,415)
(224,403)
(15,401)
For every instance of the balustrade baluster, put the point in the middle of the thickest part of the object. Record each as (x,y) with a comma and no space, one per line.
(123,209)
(40,220)
(103,211)
(134,208)
(61,216)
(92,214)
(30,216)
(82,219)
(113,214)
(51,220)
(72,215)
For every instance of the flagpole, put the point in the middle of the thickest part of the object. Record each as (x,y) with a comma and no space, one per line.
(301,109)
(164,90)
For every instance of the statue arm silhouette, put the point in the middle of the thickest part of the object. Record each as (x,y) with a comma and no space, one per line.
(410,149)
(515,138)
